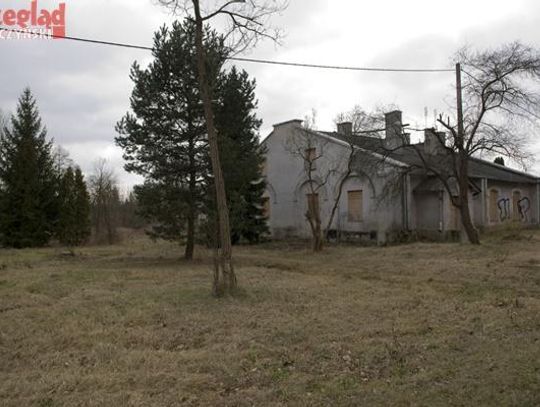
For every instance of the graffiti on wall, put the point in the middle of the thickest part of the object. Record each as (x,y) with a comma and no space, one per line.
(504,209)
(523,207)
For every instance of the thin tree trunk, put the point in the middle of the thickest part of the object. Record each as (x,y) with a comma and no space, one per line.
(190,239)
(97,219)
(316,232)
(224,276)
(317,237)
(340,192)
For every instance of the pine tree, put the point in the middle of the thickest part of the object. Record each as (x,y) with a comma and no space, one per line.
(82,208)
(241,155)
(28,180)
(164,139)
(73,226)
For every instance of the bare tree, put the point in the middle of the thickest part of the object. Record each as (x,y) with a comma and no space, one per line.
(246,22)
(498,105)
(62,160)
(322,166)
(496,108)
(363,122)
(105,200)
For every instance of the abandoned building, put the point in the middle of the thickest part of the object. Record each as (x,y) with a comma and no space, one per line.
(383,196)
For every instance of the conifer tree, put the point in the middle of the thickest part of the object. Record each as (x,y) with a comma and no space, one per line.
(82,208)
(28,180)
(241,155)
(164,139)
(73,226)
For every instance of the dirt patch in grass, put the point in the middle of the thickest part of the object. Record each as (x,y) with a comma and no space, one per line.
(134,325)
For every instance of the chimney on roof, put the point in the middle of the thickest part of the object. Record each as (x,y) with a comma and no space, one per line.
(434,141)
(395,137)
(345,128)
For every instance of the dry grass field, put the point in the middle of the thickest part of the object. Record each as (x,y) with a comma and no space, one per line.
(411,325)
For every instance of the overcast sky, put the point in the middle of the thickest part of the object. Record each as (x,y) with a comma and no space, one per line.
(83,90)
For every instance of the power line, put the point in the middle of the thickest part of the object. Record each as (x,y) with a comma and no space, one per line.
(346,68)
(239,59)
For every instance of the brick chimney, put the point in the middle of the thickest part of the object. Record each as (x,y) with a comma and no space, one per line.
(345,128)
(434,141)
(394,130)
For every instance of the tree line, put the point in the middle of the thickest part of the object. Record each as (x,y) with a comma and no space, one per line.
(40,198)
(44,196)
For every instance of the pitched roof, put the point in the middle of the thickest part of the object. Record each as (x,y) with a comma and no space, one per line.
(486,169)
(410,155)
(367,142)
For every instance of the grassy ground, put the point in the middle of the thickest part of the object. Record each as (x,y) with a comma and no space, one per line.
(133,325)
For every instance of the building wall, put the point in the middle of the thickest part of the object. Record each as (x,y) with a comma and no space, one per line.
(288,186)
(504,201)
(404,208)
(436,216)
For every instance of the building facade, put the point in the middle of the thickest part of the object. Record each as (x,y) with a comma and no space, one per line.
(377,189)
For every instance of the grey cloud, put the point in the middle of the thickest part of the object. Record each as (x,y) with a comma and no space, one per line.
(84,89)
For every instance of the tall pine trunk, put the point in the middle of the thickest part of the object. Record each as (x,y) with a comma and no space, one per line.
(224,276)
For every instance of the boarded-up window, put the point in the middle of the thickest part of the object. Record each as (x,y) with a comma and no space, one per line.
(516,197)
(453,221)
(493,208)
(266,207)
(313,205)
(311,156)
(354,206)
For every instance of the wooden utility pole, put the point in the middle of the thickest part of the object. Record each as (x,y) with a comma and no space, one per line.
(463,171)
(459,100)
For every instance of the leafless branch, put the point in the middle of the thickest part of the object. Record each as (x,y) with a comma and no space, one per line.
(245,22)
